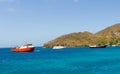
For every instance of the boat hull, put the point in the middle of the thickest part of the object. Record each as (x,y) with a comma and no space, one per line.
(58,47)
(23,49)
(99,47)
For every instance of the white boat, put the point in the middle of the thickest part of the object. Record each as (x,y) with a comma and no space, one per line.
(114,45)
(58,47)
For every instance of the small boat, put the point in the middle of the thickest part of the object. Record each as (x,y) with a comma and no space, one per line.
(58,47)
(98,46)
(114,45)
(25,48)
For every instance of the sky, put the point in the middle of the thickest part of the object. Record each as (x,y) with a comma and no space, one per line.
(39,21)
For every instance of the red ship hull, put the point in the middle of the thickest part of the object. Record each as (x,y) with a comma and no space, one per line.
(23,49)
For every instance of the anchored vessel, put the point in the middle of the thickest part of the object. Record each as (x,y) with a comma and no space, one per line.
(25,48)
(98,46)
(58,47)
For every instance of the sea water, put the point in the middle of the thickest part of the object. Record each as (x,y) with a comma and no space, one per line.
(65,61)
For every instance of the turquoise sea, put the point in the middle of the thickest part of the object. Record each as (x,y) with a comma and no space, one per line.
(64,61)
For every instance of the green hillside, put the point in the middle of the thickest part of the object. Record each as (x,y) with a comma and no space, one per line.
(108,32)
(110,36)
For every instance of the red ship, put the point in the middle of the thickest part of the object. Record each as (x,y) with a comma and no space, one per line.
(25,48)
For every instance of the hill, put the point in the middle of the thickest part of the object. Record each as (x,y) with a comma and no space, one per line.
(72,40)
(110,36)
(110,31)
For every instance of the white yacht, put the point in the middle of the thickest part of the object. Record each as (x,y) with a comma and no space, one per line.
(59,47)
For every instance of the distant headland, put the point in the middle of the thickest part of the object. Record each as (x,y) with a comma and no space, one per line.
(108,36)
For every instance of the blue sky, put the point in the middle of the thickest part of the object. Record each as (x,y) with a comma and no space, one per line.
(38,21)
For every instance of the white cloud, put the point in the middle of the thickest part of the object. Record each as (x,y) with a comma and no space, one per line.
(76,0)
(11,9)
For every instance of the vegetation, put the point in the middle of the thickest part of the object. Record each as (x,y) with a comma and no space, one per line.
(109,36)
